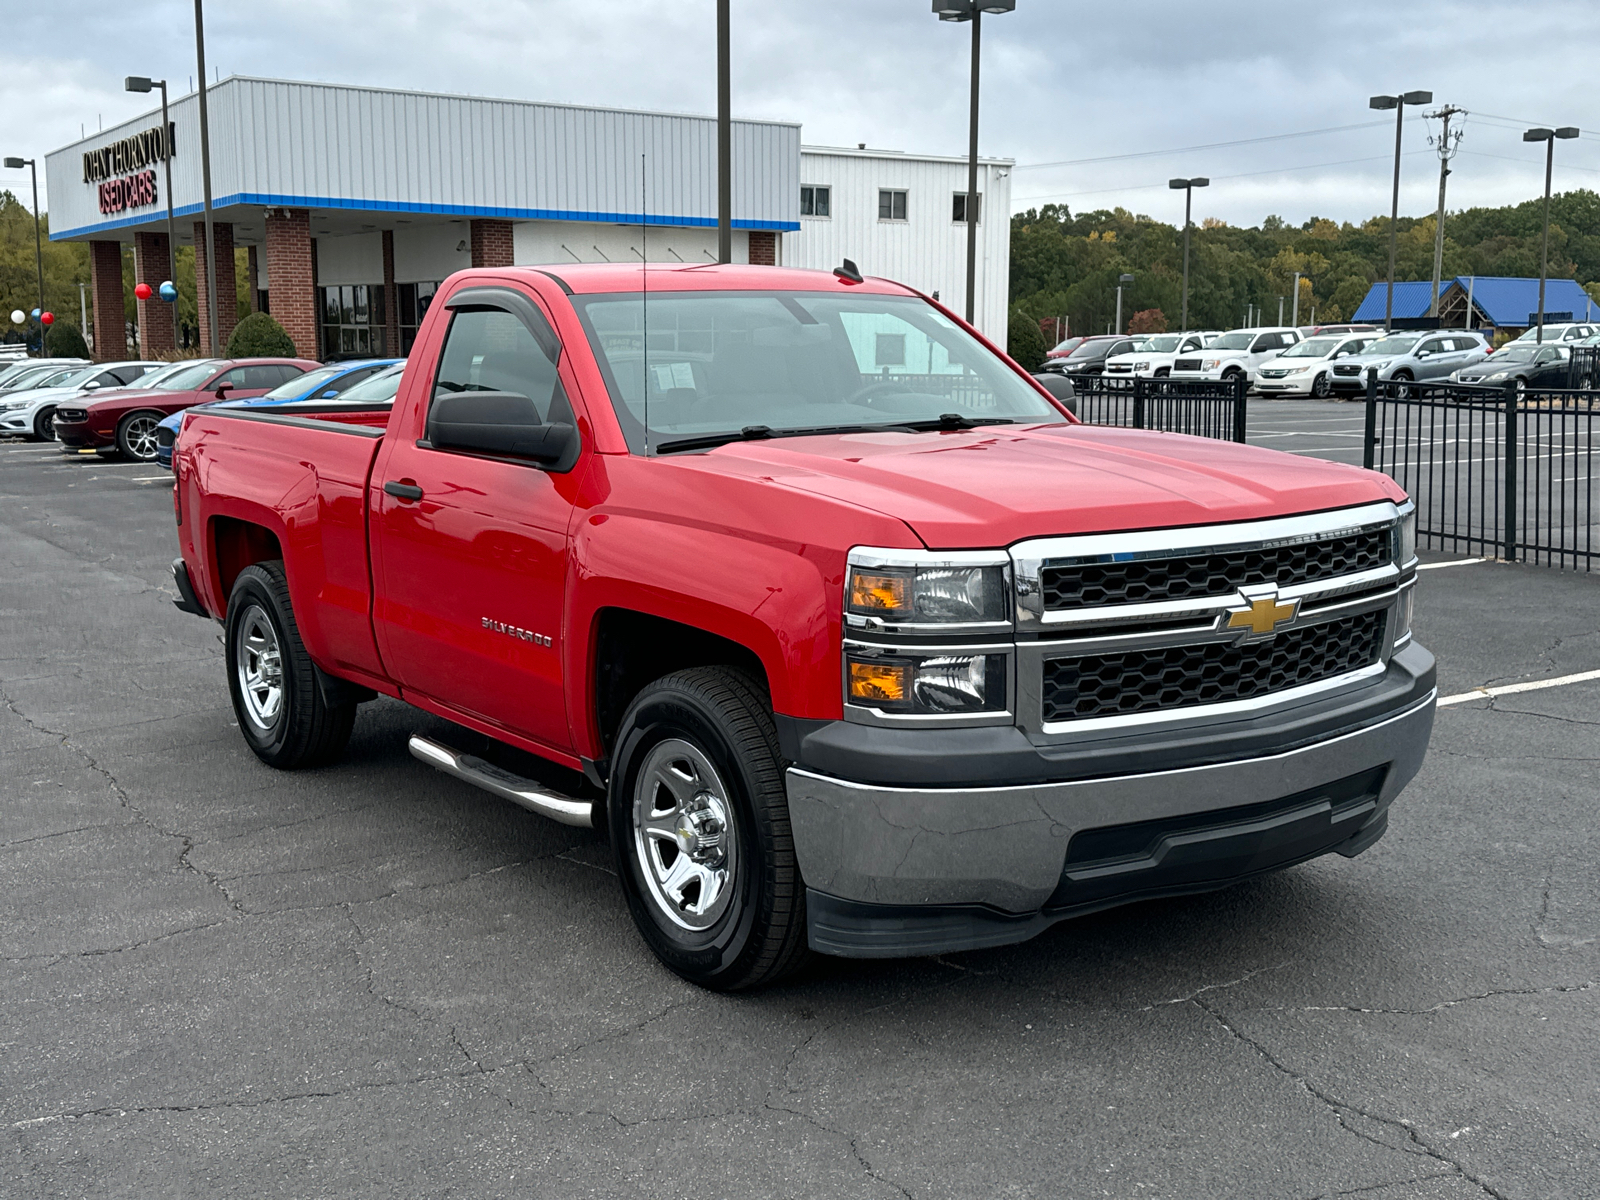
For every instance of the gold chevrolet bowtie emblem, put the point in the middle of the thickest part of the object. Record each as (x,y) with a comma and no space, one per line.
(1264,615)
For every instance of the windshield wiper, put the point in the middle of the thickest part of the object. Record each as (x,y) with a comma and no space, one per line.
(751,433)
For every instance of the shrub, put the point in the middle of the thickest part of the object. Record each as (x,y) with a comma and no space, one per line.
(259,336)
(1025,342)
(63,340)
(1148,320)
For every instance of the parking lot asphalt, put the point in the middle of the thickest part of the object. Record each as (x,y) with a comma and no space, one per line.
(370,980)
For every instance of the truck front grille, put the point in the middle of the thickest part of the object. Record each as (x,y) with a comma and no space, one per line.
(1154,680)
(1186,364)
(1213,573)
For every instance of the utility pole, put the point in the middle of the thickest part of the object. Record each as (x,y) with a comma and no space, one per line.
(1294,319)
(724,139)
(210,315)
(1446,147)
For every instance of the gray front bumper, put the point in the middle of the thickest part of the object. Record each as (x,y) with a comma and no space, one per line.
(1005,848)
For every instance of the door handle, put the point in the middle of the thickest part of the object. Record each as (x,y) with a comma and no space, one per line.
(403,491)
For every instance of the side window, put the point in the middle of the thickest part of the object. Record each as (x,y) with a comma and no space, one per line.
(264,375)
(125,375)
(1434,345)
(108,379)
(347,381)
(490,350)
(1267,341)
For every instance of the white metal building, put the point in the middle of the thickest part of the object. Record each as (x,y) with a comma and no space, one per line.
(354,203)
(900,216)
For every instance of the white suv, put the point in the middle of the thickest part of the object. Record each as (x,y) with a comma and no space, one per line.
(1154,356)
(1236,353)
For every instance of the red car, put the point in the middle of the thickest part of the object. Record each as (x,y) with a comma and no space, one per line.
(873,659)
(127,420)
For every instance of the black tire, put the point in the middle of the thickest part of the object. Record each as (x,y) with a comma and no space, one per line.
(1162,372)
(44,425)
(716,724)
(136,436)
(300,730)
(1321,389)
(1401,379)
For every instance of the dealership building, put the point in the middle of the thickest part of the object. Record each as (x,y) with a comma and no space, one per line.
(353,204)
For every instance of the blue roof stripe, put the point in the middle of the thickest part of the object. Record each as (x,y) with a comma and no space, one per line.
(268,200)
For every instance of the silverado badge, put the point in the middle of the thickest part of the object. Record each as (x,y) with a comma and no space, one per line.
(1262,614)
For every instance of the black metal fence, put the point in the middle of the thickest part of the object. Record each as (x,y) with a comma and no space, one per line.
(1505,472)
(1203,408)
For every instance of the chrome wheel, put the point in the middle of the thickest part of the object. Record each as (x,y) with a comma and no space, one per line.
(139,437)
(260,668)
(684,835)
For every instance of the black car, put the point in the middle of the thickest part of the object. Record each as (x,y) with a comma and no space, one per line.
(1526,365)
(1089,358)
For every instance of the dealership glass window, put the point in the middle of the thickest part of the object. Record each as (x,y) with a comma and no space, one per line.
(353,321)
(414,301)
(891,204)
(958,207)
(815,201)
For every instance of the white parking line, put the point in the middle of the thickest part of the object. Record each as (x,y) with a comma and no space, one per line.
(1486,693)
(35,450)
(1454,562)
(150,479)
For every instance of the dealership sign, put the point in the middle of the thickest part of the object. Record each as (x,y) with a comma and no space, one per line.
(122,168)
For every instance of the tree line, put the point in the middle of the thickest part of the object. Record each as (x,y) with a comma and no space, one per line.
(1065,267)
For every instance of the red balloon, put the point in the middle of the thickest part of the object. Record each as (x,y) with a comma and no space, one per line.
(47,318)
(143,290)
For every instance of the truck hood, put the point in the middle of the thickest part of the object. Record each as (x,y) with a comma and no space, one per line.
(984,488)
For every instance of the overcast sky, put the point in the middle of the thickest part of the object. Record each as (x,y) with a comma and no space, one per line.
(1061,81)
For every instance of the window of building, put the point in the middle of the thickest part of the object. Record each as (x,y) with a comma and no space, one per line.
(354,323)
(414,301)
(891,204)
(814,201)
(958,207)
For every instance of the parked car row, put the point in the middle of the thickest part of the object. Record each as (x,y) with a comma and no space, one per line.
(120,407)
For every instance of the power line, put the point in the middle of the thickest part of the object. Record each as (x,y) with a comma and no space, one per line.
(1273,137)
(1140,187)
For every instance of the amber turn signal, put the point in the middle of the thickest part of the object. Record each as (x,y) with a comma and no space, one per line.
(879,593)
(879,682)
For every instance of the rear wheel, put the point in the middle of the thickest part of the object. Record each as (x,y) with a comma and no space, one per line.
(136,436)
(281,710)
(699,825)
(44,425)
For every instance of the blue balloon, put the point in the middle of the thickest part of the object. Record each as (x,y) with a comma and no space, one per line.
(168,292)
(36,314)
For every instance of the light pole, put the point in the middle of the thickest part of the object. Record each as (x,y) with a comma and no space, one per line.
(724,139)
(16,164)
(1383,103)
(138,83)
(1294,313)
(1188,186)
(972,10)
(1122,282)
(205,181)
(1548,137)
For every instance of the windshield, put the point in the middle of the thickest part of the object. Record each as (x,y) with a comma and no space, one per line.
(1161,344)
(304,385)
(377,389)
(1392,345)
(1090,348)
(1065,344)
(1311,348)
(68,378)
(32,377)
(1514,354)
(724,362)
(184,380)
(1233,341)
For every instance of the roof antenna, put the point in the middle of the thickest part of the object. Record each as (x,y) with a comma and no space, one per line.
(849,273)
(644,294)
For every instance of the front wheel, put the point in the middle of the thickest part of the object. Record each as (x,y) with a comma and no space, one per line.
(282,713)
(136,436)
(44,425)
(1401,381)
(699,825)
(1320,387)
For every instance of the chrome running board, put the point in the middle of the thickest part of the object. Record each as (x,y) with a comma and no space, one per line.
(518,789)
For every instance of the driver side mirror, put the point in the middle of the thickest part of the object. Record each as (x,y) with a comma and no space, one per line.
(222,390)
(91,386)
(504,424)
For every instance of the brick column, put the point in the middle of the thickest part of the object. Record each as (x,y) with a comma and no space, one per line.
(391,299)
(491,243)
(254,270)
(763,248)
(105,284)
(158,331)
(227,285)
(292,276)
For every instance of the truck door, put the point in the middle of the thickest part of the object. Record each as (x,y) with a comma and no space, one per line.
(470,552)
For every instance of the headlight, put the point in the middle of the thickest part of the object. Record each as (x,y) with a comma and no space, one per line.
(1406,537)
(1210,364)
(1297,370)
(1141,366)
(1497,377)
(1382,366)
(925,684)
(890,589)
(11,404)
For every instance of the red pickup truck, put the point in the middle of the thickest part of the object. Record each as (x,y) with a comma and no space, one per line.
(851,638)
